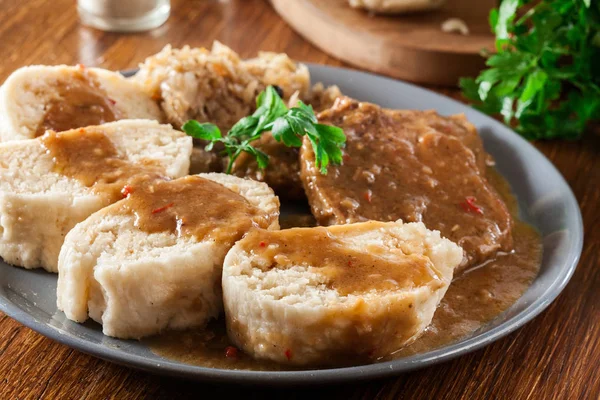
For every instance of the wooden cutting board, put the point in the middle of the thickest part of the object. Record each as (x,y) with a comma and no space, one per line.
(411,47)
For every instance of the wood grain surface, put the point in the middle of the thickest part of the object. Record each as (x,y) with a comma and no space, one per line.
(411,47)
(556,356)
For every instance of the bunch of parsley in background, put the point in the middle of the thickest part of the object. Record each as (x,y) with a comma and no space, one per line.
(286,125)
(545,77)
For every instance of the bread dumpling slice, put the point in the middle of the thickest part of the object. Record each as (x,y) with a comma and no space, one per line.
(337,295)
(153,261)
(36,98)
(49,184)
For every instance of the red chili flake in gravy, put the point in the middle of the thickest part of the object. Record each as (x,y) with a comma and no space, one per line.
(163,208)
(126,191)
(288,354)
(469,205)
(231,352)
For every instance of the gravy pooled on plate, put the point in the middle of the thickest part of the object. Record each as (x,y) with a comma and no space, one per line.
(475,297)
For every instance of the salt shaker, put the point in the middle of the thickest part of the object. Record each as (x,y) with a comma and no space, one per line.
(124,15)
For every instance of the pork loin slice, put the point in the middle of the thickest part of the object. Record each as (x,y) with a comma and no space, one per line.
(283,171)
(43,194)
(412,165)
(336,295)
(62,97)
(153,261)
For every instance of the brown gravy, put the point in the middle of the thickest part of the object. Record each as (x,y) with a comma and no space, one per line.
(297,221)
(189,206)
(91,157)
(481,293)
(81,102)
(348,271)
(475,297)
(193,206)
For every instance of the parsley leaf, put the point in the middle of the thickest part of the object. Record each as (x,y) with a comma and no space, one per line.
(205,131)
(545,77)
(286,125)
(326,140)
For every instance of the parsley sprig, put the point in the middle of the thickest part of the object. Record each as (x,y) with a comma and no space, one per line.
(545,76)
(286,125)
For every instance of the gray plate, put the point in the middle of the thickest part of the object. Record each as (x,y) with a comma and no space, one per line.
(545,201)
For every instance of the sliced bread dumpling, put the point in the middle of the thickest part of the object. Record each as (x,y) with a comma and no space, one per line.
(336,295)
(37,98)
(49,184)
(153,261)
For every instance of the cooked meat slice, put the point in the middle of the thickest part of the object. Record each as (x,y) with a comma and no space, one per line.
(283,171)
(153,261)
(336,295)
(49,184)
(409,165)
(34,99)
(202,161)
(456,126)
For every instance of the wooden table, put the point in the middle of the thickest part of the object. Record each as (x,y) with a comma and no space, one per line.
(555,356)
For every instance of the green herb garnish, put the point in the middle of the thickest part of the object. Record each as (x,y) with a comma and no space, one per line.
(286,125)
(545,76)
